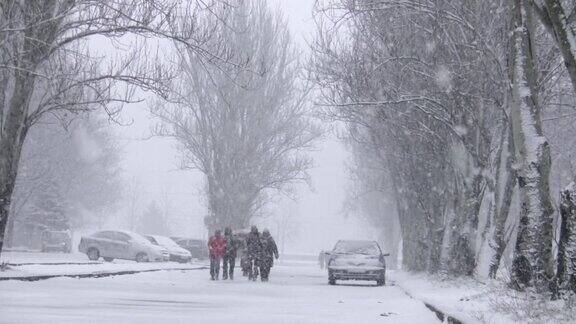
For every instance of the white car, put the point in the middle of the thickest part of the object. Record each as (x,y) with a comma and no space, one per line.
(177,253)
(121,245)
(357,260)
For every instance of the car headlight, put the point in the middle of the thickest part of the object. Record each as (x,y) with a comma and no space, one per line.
(334,262)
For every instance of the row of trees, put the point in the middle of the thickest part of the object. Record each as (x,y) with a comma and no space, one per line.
(444,103)
(47,68)
(236,108)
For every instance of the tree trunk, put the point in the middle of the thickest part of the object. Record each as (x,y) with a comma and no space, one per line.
(463,256)
(9,236)
(554,18)
(11,142)
(533,251)
(566,261)
(503,203)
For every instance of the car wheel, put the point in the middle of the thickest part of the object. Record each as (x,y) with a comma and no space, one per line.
(93,254)
(107,259)
(381,281)
(141,257)
(331,279)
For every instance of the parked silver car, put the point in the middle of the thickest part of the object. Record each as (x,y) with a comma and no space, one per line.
(176,252)
(121,245)
(357,260)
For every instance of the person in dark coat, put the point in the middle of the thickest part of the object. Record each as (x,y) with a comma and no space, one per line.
(243,253)
(253,250)
(268,253)
(217,248)
(230,254)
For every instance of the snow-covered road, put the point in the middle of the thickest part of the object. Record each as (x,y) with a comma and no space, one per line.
(297,293)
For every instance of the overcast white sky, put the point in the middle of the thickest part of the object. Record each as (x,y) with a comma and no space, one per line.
(316,215)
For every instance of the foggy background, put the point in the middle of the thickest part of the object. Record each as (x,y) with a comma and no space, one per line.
(314,222)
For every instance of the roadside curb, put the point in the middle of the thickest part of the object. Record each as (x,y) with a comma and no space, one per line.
(95,274)
(442,315)
(52,263)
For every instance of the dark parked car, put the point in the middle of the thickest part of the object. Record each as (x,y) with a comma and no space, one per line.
(357,260)
(56,241)
(197,248)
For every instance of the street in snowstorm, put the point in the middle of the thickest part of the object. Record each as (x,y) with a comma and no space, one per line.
(355,161)
(298,292)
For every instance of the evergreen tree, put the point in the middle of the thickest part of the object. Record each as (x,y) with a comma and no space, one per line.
(49,209)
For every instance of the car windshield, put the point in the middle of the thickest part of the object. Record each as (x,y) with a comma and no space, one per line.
(166,242)
(357,247)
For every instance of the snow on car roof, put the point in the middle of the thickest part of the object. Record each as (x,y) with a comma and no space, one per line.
(164,240)
(134,235)
(358,241)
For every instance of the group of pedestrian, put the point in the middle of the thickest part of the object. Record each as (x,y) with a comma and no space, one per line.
(258,254)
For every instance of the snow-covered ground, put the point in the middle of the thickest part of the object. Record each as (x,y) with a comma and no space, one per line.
(475,302)
(55,264)
(297,293)
(95,268)
(39,257)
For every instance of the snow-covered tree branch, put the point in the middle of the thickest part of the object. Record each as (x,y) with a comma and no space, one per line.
(246,130)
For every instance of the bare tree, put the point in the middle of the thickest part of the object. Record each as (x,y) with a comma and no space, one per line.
(533,253)
(45,66)
(133,196)
(420,83)
(448,97)
(559,18)
(566,267)
(245,130)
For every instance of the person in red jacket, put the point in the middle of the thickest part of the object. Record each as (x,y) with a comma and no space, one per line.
(217,247)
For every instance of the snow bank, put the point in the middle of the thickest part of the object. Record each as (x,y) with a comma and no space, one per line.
(46,265)
(21,257)
(471,301)
(43,271)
